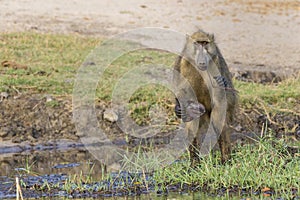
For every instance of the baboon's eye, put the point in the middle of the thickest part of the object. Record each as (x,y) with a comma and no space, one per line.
(203,43)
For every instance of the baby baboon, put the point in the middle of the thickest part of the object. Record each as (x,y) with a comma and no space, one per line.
(203,66)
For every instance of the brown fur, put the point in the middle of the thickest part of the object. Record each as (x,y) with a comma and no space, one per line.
(185,65)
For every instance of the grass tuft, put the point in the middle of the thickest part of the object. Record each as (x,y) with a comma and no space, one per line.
(265,164)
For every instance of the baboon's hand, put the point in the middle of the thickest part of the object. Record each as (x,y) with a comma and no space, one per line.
(222,82)
(178,110)
(194,110)
(189,111)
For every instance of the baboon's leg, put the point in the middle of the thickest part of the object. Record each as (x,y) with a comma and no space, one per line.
(225,144)
(194,148)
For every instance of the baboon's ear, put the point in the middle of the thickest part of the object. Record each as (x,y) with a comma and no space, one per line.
(212,37)
(187,37)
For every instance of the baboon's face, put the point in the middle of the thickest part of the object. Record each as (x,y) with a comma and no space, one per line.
(204,49)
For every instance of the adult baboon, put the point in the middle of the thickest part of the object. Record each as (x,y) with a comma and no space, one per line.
(205,69)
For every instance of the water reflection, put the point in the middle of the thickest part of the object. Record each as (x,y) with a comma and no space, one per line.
(170,196)
(70,162)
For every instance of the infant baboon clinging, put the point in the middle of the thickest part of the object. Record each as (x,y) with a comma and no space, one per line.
(203,66)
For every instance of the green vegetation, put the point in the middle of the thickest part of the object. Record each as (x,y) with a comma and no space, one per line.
(283,96)
(265,165)
(53,60)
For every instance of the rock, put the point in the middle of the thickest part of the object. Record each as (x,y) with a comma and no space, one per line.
(238,128)
(110,116)
(3,95)
(49,98)
(291,100)
(114,167)
(3,133)
(16,140)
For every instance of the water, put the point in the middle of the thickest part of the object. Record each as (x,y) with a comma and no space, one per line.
(56,166)
(36,169)
(69,162)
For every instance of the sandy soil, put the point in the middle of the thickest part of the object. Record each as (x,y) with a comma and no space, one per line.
(252,34)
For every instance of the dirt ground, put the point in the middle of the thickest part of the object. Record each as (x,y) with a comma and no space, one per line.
(259,39)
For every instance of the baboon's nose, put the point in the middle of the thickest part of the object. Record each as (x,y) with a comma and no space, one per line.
(200,59)
(201,66)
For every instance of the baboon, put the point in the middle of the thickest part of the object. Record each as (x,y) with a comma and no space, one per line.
(203,66)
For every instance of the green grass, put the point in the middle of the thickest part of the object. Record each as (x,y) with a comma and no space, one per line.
(283,96)
(265,164)
(52,61)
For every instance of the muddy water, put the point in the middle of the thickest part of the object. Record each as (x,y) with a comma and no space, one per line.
(55,167)
(69,162)
(52,166)
(172,196)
